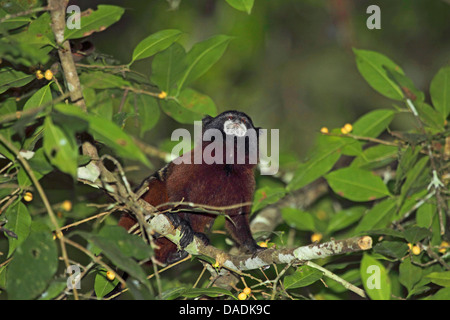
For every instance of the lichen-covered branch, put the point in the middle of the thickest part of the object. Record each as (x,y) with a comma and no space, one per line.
(238,263)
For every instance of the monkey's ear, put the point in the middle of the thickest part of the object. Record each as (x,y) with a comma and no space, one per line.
(207,119)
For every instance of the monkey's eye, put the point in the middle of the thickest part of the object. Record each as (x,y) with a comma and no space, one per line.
(243,120)
(230,117)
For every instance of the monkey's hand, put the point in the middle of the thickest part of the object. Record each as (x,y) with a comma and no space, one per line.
(187,234)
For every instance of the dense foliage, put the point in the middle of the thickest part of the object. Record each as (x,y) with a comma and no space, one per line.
(57,222)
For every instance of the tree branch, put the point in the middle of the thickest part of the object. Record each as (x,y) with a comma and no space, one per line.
(162,225)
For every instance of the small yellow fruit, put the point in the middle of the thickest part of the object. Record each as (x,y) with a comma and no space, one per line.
(247,291)
(39,75)
(67,205)
(162,95)
(444,246)
(110,275)
(347,128)
(410,246)
(415,250)
(48,75)
(216,264)
(242,296)
(57,235)
(316,237)
(262,244)
(28,196)
(324,130)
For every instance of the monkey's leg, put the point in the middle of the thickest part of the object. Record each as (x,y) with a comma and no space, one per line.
(240,230)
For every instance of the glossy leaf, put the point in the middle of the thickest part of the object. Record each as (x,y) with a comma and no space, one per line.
(371,66)
(95,21)
(322,159)
(19,222)
(102,80)
(168,67)
(378,217)
(373,123)
(392,249)
(345,218)
(202,57)
(440,278)
(298,219)
(356,184)
(10,78)
(155,43)
(440,91)
(102,285)
(41,97)
(375,279)
(149,113)
(60,148)
(34,264)
(242,5)
(409,274)
(266,196)
(303,276)
(108,132)
(189,107)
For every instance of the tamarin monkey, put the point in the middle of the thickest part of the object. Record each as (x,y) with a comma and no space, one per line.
(225,183)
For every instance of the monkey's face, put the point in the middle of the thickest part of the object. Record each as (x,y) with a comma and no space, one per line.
(239,136)
(233,123)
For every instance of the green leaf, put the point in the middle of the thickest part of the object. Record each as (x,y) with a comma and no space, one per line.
(375,157)
(155,43)
(425,214)
(345,218)
(202,57)
(375,279)
(406,85)
(189,107)
(357,184)
(429,116)
(371,66)
(60,148)
(33,265)
(102,80)
(95,21)
(32,45)
(393,249)
(373,123)
(298,219)
(168,67)
(378,217)
(242,5)
(440,92)
(12,23)
(409,274)
(10,78)
(39,98)
(102,285)
(321,160)
(440,278)
(303,276)
(210,292)
(443,294)
(415,178)
(19,222)
(121,255)
(173,293)
(148,112)
(266,196)
(108,132)
(415,234)
(129,245)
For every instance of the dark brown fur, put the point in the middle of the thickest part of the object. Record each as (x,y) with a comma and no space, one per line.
(218,185)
